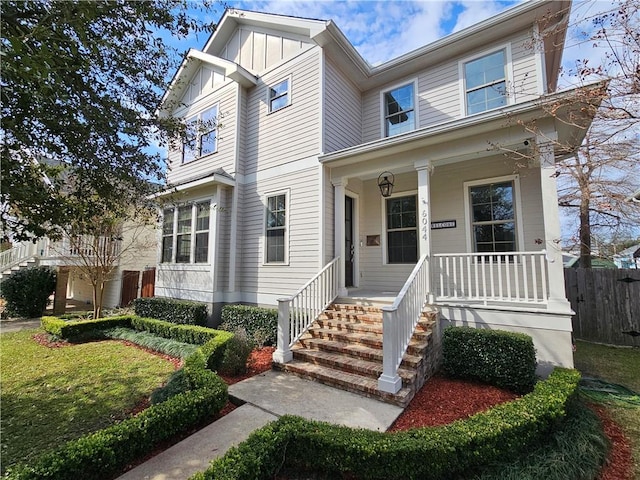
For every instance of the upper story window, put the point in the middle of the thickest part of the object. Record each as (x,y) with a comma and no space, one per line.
(399,110)
(276,229)
(201,137)
(485,82)
(185,231)
(402,229)
(280,95)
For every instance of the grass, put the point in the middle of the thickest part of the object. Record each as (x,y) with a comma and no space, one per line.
(620,366)
(52,395)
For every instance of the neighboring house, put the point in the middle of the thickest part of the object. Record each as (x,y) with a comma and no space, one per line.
(294,181)
(628,258)
(596,262)
(133,274)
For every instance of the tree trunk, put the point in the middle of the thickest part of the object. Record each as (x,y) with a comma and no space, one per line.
(585,230)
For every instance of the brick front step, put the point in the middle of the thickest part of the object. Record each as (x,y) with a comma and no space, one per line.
(347,381)
(345,363)
(343,348)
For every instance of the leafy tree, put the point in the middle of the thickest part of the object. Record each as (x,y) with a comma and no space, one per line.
(80,84)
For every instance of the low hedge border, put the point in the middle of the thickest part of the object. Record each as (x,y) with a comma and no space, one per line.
(501,358)
(106,452)
(261,324)
(172,310)
(435,453)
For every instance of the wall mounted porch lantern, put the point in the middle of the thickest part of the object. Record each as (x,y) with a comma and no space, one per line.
(385,182)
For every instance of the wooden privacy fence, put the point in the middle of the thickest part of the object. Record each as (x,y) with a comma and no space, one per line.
(607,304)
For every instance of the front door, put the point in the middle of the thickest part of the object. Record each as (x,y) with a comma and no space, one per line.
(349,247)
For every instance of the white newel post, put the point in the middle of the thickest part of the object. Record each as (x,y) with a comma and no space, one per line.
(283,353)
(557,295)
(339,186)
(424,169)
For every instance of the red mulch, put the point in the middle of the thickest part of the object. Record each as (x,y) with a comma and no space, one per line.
(443,400)
(618,465)
(259,362)
(45,340)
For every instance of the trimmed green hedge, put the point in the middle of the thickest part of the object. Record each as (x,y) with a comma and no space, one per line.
(182,333)
(504,359)
(261,324)
(172,310)
(435,453)
(106,452)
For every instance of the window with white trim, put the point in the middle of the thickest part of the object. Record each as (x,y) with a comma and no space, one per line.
(185,231)
(485,82)
(276,228)
(402,229)
(399,110)
(201,137)
(280,95)
(493,217)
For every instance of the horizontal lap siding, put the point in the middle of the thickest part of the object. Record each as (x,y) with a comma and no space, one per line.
(524,68)
(329,215)
(342,110)
(224,158)
(304,243)
(439,87)
(225,249)
(293,132)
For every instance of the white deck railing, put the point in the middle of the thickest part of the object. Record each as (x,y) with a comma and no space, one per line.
(398,323)
(298,312)
(491,278)
(22,252)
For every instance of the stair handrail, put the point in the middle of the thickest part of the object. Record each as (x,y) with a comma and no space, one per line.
(399,321)
(22,252)
(297,312)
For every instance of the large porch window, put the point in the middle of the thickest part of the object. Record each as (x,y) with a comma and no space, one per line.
(402,232)
(493,218)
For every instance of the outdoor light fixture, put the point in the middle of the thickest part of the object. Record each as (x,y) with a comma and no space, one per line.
(386,184)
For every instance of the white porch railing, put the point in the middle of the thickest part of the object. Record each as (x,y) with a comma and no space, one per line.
(83,246)
(298,312)
(398,323)
(490,278)
(22,252)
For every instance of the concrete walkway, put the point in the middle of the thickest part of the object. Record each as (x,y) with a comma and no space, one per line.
(12,325)
(265,397)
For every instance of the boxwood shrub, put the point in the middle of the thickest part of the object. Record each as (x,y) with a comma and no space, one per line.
(452,451)
(171,310)
(27,291)
(504,359)
(105,453)
(261,324)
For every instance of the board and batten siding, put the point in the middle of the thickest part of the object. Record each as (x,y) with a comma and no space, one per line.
(224,157)
(342,110)
(439,96)
(258,49)
(293,132)
(259,278)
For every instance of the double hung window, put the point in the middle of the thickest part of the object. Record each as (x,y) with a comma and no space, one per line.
(185,231)
(402,229)
(280,95)
(485,82)
(493,217)
(201,135)
(399,110)
(276,228)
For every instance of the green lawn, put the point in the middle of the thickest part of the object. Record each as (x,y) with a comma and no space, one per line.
(621,366)
(51,395)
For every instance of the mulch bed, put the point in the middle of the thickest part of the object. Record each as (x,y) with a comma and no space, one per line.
(443,400)
(619,463)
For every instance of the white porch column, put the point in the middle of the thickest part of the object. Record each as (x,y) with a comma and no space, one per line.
(557,295)
(424,169)
(339,186)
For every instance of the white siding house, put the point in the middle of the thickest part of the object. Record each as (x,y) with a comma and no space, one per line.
(285,180)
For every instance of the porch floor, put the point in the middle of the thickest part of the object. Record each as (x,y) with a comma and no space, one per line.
(367,296)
